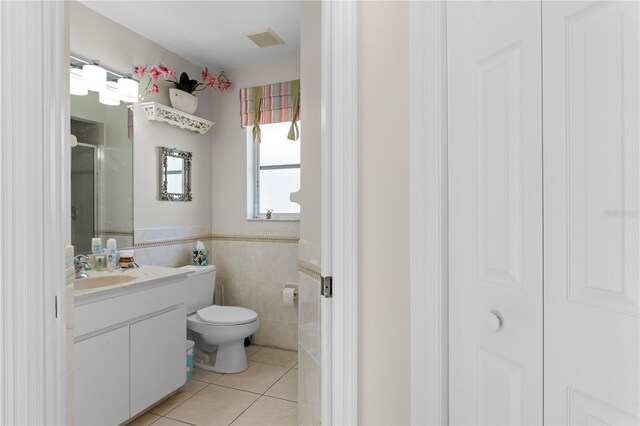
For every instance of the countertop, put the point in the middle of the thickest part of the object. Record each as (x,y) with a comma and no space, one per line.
(145,276)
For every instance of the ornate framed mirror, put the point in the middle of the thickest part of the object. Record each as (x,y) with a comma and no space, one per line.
(175,175)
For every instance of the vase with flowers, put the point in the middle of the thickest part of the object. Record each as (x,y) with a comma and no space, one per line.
(182,95)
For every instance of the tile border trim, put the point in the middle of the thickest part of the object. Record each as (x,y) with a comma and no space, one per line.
(219,237)
(170,241)
(310,269)
(256,238)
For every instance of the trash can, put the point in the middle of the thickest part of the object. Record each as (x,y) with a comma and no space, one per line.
(190,345)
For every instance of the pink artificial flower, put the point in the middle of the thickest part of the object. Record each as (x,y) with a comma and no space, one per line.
(154,73)
(224,85)
(211,82)
(205,73)
(154,89)
(140,70)
(165,71)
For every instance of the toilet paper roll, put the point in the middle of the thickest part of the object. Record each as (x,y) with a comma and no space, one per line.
(288,296)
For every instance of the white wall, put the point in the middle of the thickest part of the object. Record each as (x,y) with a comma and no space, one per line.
(310,152)
(309,354)
(95,37)
(252,273)
(229,149)
(383,203)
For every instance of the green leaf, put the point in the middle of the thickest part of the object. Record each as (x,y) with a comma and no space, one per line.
(184,79)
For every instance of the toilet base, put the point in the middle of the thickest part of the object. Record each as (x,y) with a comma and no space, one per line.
(231,358)
(228,358)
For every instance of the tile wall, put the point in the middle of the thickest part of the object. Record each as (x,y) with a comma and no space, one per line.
(309,356)
(252,268)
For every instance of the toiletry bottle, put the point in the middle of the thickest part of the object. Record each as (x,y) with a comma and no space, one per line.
(98,253)
(96,245)
(111,254)
(99,261)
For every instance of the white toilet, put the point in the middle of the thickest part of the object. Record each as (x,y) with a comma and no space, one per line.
(219,330)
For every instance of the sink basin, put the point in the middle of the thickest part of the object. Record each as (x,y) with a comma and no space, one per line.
(98,282)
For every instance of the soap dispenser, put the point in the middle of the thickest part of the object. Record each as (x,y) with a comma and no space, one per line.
(111,254)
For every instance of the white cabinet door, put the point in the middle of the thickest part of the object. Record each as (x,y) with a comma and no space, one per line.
(158,358)
(495,205)
(101,379)
(591,185)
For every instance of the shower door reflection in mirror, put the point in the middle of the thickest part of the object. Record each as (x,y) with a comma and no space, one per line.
(101,172)
(83,196)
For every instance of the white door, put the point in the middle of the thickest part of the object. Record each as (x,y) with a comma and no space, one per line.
(591,162)
(495,208)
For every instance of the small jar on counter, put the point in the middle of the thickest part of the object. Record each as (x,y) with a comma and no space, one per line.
(126,259)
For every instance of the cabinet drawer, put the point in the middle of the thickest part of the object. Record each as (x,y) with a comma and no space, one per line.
(119,310)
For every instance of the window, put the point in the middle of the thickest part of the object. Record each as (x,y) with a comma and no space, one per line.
(276,172)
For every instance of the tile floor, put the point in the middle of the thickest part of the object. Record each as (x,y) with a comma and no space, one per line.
(264,394)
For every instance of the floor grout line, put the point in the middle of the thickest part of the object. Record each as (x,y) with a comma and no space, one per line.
(281,399)
(286,372)
(163,415)
(241,390)
(257,399)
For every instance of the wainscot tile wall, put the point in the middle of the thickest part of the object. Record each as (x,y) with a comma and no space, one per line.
(309,356)
(252,267)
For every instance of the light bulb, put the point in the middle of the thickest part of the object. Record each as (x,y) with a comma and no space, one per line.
(95,77)
(76,83)
(109,95)
(128,90)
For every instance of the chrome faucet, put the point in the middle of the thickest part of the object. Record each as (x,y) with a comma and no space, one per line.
(80,265)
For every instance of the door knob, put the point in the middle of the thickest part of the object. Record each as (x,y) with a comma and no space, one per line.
(495,320)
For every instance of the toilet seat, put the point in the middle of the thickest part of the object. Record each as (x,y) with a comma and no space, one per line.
(226,315)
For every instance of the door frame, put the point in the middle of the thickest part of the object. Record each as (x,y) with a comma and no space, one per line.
(34,153)
(339,77)
(42,398)
(428,213)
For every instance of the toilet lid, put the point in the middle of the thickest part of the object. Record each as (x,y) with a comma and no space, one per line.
(226,315)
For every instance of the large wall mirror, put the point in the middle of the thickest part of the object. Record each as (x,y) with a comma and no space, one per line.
(101,172)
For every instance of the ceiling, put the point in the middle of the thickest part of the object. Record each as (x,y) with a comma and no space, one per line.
(210,33)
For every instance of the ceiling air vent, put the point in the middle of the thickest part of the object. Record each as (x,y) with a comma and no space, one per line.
(264,38)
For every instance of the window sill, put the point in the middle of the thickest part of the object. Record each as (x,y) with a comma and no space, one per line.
(281,219)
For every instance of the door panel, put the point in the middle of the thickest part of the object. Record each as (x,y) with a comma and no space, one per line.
(158,360)
(101,373)
(495,212)
(591,212)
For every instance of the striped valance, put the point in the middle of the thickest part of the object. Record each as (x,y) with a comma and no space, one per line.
(276,103)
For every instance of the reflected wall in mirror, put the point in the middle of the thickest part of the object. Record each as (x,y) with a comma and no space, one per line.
(101,172)
(175,175)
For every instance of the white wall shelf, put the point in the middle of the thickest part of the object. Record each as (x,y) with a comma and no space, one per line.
(158,112)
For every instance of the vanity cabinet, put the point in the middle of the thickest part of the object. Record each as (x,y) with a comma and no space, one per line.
(129,351)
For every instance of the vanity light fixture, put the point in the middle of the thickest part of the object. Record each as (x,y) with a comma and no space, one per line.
(109,95)
(128,89)
(76,83)
(95,77)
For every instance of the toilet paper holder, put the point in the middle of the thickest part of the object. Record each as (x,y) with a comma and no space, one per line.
(293,286)
(287,298)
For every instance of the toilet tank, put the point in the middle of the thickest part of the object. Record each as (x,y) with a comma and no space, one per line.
(201,284)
